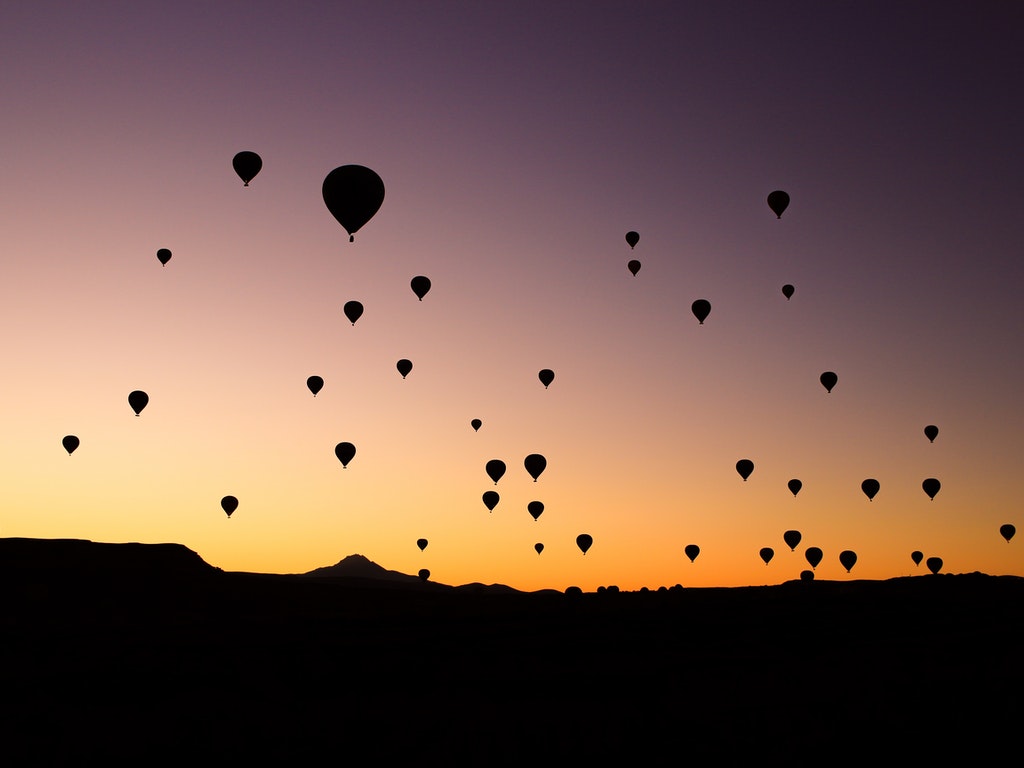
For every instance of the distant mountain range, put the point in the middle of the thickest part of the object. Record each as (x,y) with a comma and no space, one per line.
(358,568)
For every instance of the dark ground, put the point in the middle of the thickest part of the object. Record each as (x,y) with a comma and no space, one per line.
(145,653)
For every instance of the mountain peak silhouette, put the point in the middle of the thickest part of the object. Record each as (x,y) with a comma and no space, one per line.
(360,567)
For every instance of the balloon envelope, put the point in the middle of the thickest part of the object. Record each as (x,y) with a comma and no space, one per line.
(813,555)
(424,574)
(535,508)
(491,499)
(420,286)
(476,424)
(691,550)
(632,238)
(70,443)
(495,469)
(934,564)
(535,464)
(539,547)
(794,486)
(353,194)
(917,557)
(931,432)
(744,467)
(247,165)
(633,266)
(345,453)
(353,311)
(767,553)
(584,542)
(138,400)
(848,559)
(792,539)
(787,291)
(828,380)
(931,487)
(404,367)
(315,384)
(778,201)
(421,543)
(1006,531)
(164,256)
(546,376)
(701,309)
(870,488)
(229,504)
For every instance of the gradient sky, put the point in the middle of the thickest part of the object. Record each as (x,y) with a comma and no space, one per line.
(518,143)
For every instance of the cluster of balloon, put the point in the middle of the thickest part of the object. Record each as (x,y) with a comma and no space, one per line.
(229,504)
(1006,531)
(584,541)
(633,266)
(535,464)
(794,486)
(345,453)
(848,558)
(931,487)
(632,238)
(404,367)
(476,424)
(767,553)
(813,555)
(315,384)
(70,443)
(539,547)
(353,194)
(934,564)
(163,256)
(917,557)
(870,488)
(787,291)
(828,380)
(353,311)
(424,574)
(792,539)
(744,467)
(691,550)
(247,165)
(535,508)
(420,286)
(421,543)
(546,376)
(138,400)
(778,201)
(495,468)
(931,432)
(701,309)
(491,499)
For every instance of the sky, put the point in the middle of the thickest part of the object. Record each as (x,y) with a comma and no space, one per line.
(518,143)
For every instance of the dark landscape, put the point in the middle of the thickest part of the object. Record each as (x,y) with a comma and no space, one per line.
(141,651)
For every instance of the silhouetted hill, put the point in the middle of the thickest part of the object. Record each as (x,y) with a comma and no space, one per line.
(78,558)
(360,567)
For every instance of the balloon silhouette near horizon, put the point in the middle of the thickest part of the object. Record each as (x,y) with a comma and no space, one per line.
(1007,531)
(138,400)
(633,266)
(404,367)
(848,558)
(917,556)
(229,504)
(163,255)
(632,238)
(794,486)
(424,574)
(476,424)
(828,380)
(353,194)
(788,291)
(792,539)
(495,469)
(931,486)
(421,543)
(934,565)
(420,286)
(778,201)
(546,376)
(535,508)
(70,443)
(870,488)
(539,547)
(931,432)
(806,575)
(345,453)
(584,541)
(314,384)
(491,499)
(813,556)
(744,467)
(353,311)
(247,165)
(535,464)
(691,550)
(701,308)
(767,553)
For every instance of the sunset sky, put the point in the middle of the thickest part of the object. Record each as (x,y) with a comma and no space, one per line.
(518,142)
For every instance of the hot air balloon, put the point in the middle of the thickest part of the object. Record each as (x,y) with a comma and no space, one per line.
(701,309)
(247,165)
(632,238)
(794,486)
(353,194)
(229,504)
(1007,531)
(633,266)
(931,432)
(345,452)
(539,547)
(404,367)
(164,256)
(476,424)
(917,557)
(744,467)
(778,201)
(420,286)
(691,550)
(421,543)
(495,469)
(584,542)
(828,380)
(813,555)
(546,376)
(870,488)
(138,400)
(535,508)
(424,574)
(535,464)
(792,539)
(934,564)
(931,487)
(491,499)
(848,558)
(353,311)
(806,575)
(787,291)
(70,443)
(315,384)
(767,553)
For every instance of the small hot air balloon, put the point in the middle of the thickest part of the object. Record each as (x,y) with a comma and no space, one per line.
(870,488)
(934,564)
(420,286)
(828,380)
(806,575)
(424,574)
(701,309)
(164,256)
(917,557)
(788,291)
(778,201)
(421,543)
(539,547)
(138,400)
(813,555)
(476,424)
(229,504)
(404,367)
(247,165)
(535,464)
(535,508)
(495,469)
(1006,531)
(546,376)
(491,499)
(691,550)
(931,432)
(345,452)
(584,541)
(633,266)
(767,553)
(632,238)
(744,467)
(931,487)
(794,486)
(353,311)
(315,384)
(848,558)
(353,194)
(70,443)
(792,539)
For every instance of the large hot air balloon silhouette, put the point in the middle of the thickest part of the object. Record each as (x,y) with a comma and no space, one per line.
(931,487)
(491,499)
(744,467)
(931,432)
(792,539)
(345,453)
(691,550)
(353,194)
(353,311)
(70,443)
(404,367)
(546,376)
(632,238)
(870,488)
(138,400)
(535,508)
(584,542)
(934,564)
(420,286)
(778,201)
(229,504)
(633,266)
(787,291)
(247,165)
(848,558)
(701,309)
(476,424)
(767,553)
(535,464)
(421,543)
(1006,531)
(828,380)
(315,384)
(917,557)
(813,555)
(539,547)
(495,469)
(794,486)
(163,255)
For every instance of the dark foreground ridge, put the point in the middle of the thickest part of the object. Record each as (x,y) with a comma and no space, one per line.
(145,650)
